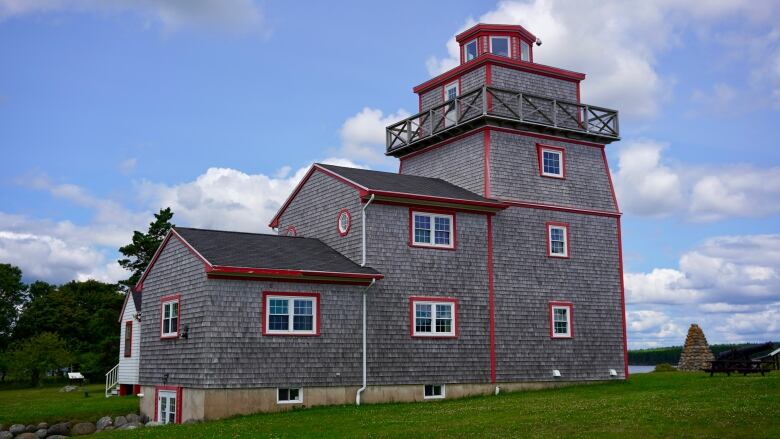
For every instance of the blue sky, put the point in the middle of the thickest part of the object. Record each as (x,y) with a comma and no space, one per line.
(111,110)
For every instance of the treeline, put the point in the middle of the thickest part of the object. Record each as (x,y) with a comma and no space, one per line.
(47,328)
(671,354)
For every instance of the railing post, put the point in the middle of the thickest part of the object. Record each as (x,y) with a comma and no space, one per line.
(484,100)
(520,106)
(430,122)
(408,131)
(587,119)
(555,112)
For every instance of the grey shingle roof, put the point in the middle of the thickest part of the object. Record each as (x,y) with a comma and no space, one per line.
(410,184)
(136,296)
(257,250)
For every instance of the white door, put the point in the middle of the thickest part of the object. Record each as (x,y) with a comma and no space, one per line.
(451,92)
(166,407)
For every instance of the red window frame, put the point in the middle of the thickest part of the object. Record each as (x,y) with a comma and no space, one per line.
(540,148)
(559,304)
(163,301)
(290,231)
(317,318)
(453,236)
(338,221)
(565,227)
(178,391)
(128,339)
(433,299)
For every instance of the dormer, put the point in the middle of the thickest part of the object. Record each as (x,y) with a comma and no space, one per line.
(509,41)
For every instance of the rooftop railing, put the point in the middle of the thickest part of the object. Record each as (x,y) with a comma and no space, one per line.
(503,105)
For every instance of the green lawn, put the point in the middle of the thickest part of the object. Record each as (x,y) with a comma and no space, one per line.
(48,404)
(674,405)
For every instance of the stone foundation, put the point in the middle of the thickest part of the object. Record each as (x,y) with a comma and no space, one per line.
(211,404)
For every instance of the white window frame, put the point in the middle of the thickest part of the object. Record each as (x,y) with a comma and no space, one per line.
(450,86)
(290,401)
(168,394)
(525,51)
(432,243)
(560,162)
(433,303)
(550,252)
(433,386)
(466,50)
(173,332)
(290,315)
(508,45)
(567,334)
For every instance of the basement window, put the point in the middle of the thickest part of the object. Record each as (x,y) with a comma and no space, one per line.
(289,395)
(432,230)
(434,391)
(470,50)
(291,314)
(499,46)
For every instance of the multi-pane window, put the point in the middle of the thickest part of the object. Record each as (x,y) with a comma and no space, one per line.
(433,230)
(344,222)
(289,395)
(499,46)
(432,318)
(128,338)
(450,93)
(170,318)
(166,407)
(291,315)
(434,391)
(560,320)
(551,162)
(470,50)
(558,240)
(525,51)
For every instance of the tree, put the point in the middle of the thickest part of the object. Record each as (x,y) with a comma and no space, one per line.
(140,251)
(12,295)
(37,355)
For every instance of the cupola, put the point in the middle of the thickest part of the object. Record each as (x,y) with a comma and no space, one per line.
(510,41)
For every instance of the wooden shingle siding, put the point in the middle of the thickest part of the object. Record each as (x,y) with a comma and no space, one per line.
(394,356)
(460,162)
(186,361)
(315,210)
(532,83)
(514,173)
(526,280)
(472,80)
(432,98)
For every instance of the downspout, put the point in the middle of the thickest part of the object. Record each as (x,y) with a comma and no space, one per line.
(365,293)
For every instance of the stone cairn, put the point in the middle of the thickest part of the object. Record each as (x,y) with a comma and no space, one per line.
(696,354)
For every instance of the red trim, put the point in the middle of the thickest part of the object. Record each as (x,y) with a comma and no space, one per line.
(122,390)
(338,222)
(226,270)
(609,176)
(163,301)
(480,29)
(419,103)
(136,389)
(139,287)
(128,330)
(178,391)
(530,205)
(489,58)
(565,226)
(290,280)
(568,305)
(285,294)
(486,159)
(489,81)
(290,231)
(622,299)
(491,300)
(488,204)
(454,301)
(578,93)
(413,210)
(541,147)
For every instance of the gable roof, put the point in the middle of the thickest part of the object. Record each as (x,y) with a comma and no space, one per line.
(258,255)
(136,296)
(392,187)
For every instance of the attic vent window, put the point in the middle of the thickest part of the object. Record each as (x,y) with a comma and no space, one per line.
(499,46)
(470,50)
(344,222)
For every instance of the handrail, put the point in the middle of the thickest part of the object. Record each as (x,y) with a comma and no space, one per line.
(112,379)
(509,105)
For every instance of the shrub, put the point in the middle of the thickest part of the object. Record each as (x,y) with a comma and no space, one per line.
(665,367)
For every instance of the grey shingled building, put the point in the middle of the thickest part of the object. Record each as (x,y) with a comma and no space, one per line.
(490,262)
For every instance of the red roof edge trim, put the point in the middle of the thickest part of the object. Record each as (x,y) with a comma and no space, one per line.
(226,270)
(139,287)
(491,204)
(485,27)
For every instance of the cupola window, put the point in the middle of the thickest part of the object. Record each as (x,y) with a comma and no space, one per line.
(470,50)
(499,46)
(525,51)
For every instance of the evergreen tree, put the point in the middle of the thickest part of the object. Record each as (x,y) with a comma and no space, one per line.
(139,252)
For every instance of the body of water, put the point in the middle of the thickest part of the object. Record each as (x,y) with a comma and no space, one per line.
(640,369)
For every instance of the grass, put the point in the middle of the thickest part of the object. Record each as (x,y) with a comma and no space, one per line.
(657,405)
(48,404)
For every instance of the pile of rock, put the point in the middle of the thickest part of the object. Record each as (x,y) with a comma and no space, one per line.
(65,429)
(696,354)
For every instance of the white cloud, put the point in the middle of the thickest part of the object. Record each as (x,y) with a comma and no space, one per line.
(662,285)
(646,185)
(618,43)
(128,166)
(172,15)
(363,135)
(652,327)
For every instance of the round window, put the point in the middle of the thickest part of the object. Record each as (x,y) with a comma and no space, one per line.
(344,222)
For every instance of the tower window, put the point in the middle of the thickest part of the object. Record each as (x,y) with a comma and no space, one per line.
(499,46)
(525,51)
(552,161)
(558,240)
(560,320)
(470,50)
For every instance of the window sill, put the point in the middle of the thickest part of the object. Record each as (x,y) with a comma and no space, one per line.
(433,247)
